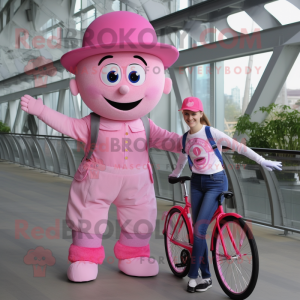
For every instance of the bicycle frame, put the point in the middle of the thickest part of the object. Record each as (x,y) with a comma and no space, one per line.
(218,215)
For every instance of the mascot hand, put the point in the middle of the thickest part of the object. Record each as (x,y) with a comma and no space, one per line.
(31,105)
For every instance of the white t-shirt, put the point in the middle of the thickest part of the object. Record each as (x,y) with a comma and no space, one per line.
(204,159)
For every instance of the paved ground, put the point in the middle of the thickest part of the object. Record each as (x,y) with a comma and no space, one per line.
(38,199)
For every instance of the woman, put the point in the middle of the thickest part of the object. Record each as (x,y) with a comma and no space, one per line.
(207,182)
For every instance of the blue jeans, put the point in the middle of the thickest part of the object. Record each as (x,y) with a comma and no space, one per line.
(205,190)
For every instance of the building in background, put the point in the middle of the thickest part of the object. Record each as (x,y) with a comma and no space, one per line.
(293,98)
(236,95)
(59,27)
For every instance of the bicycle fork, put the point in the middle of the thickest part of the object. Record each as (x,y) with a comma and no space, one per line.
(185,213)
(219,214)
(186,209)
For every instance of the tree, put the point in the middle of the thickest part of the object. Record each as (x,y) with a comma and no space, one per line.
(4,128)
(280,130)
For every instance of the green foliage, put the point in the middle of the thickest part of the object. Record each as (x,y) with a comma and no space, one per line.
(280,130)
(4,128)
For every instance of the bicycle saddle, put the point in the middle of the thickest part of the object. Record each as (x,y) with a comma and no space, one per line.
(227,194)
(182,179)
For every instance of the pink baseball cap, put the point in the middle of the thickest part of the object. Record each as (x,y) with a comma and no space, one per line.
(192,103)
(120,31)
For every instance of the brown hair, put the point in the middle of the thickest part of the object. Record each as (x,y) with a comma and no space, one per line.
(204,120)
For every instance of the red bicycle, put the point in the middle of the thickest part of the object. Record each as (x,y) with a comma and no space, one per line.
(234,251)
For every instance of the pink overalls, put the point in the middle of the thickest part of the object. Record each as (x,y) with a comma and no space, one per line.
(119,172)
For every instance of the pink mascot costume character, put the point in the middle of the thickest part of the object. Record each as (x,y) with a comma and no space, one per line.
(120,76)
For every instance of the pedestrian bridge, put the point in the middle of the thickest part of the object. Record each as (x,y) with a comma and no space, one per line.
(32,214)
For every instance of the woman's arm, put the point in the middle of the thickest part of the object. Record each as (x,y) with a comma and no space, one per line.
(225,140)
(182,159)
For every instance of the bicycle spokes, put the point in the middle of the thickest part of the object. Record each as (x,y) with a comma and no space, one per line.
(236,267)
(177,242)
(177,227)
(243,235)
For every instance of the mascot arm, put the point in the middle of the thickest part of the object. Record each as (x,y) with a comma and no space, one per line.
(74,128)
(164,139)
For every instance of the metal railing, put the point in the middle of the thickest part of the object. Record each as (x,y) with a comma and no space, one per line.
(268,198)
(50,153)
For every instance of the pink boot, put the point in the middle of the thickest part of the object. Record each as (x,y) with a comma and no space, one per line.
(81,271)
(84,266)
(135,261)
(139,266)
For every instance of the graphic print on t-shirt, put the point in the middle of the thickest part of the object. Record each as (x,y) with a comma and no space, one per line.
(201,153)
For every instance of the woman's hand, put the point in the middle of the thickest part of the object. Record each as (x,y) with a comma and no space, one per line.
(272,165)
(31,105)
(173,174)
(173,178)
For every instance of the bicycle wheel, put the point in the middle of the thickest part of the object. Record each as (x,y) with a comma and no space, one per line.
(238,276)
(179,258)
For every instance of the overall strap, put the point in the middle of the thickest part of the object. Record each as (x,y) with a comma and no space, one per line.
(147,129)
(95,122)
(213,144)
(183,149)
(146,124)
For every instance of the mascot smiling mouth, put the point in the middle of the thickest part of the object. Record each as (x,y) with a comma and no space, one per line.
(123,106)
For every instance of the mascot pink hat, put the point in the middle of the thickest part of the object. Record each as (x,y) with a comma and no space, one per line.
(120,31)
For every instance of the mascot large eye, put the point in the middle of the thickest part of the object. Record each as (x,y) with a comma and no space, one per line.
(135,74)
(111,74)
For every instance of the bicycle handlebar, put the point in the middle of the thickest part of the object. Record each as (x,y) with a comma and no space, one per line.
(182,179)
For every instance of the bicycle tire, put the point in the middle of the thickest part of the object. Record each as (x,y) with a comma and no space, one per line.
(243,294)
(179,272)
